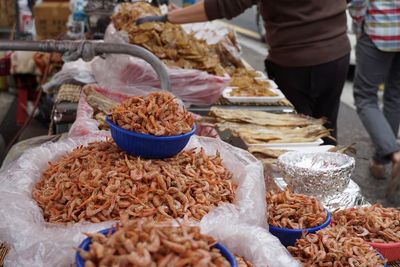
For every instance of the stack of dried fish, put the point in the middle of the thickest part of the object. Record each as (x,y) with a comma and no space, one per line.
(101,105)
(270,155)
(142,242)
(167,41)
(294,211)
(258,127)
(99,182)
(245,82)
(332,246)
(373,224)
(158,114)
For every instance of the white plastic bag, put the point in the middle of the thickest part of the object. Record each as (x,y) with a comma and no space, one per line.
(126,73)
(37,243)
(253,242)
(72,72)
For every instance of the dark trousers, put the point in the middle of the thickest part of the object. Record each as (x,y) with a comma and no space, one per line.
(315,90)
(373,68)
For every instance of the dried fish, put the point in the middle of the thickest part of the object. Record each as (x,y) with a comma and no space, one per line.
(294,211)
(99,182)
(244,82)
(166,40)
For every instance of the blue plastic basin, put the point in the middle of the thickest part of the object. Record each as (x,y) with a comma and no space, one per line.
(288,236)
(147,145)
(88,241)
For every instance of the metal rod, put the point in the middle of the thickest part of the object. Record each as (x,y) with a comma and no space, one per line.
(88,49)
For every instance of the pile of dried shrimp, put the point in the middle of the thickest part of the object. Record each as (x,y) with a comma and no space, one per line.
(99,182)
(245,83)
(242,262)
(373,224)
(332,246)
(158,114)
(294,211)
(167,41)
(144,243)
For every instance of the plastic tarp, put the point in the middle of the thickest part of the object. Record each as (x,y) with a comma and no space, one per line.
(35,242)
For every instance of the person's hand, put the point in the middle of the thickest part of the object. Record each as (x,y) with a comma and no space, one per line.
(151,19)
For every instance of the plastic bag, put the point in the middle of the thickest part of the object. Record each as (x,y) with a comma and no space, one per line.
(34,242)
(252,242)
(72,72)
(126,74)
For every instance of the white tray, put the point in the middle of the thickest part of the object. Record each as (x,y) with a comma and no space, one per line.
(253,99)
(289,145)
(322,148)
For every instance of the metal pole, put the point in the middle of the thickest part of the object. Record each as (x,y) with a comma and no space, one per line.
(87,50)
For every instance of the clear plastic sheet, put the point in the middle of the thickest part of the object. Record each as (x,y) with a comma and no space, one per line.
(37,243)
(72,72)
(252,242)
(133,75)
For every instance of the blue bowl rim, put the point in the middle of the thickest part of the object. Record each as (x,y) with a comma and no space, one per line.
(150,136)
(87,241)
(313,229)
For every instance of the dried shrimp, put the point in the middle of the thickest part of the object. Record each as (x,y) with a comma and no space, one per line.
(242,262)
(294,211)
(158,114)
(373,224)
(167,41)
(99,182)
(245,83)
(142,242)
(332,246)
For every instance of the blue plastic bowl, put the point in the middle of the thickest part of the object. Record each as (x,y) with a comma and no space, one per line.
(86,243)
(147,145)
(288,236)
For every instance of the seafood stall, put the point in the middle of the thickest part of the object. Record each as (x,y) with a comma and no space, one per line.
(182,156)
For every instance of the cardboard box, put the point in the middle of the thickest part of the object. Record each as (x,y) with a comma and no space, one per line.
(7,13)
(51,19)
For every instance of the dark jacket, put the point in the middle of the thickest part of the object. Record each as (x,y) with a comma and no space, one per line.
(299,32)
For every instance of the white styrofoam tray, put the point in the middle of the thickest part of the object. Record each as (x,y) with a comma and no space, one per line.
(286,146)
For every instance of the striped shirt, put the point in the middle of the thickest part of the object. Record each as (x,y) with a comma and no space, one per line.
(381,20)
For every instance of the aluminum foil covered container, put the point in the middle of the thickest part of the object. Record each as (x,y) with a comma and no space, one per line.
(320,174)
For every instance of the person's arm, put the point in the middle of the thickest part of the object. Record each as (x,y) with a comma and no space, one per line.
(358,9)
(204,10)
(190,14)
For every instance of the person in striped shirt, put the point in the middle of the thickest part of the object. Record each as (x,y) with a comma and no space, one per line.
(377,25)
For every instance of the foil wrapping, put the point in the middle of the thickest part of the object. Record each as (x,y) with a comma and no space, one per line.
(325,175)
(318,174)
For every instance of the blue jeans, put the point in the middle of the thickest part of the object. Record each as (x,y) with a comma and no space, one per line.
(374,67)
